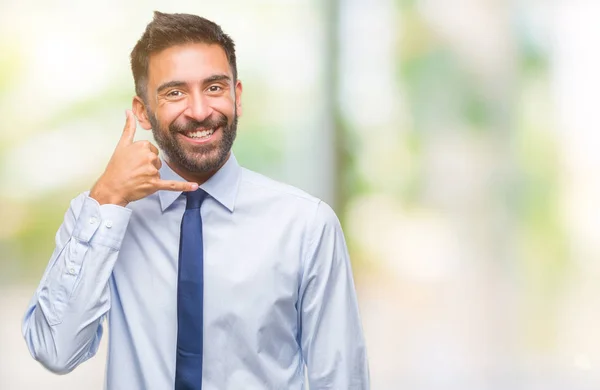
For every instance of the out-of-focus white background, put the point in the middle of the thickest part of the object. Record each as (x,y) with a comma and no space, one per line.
(457,140)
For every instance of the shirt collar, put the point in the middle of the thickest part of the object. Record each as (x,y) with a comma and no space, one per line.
(222,186)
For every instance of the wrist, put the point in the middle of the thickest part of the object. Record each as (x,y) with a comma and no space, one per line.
(105,195)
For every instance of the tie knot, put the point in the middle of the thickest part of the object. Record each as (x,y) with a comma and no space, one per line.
(194,199)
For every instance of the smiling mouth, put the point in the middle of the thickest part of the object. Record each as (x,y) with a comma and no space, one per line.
(200,134)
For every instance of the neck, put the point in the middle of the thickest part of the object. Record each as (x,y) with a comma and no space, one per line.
(195,177)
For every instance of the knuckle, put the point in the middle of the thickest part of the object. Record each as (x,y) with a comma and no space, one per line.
(144,143)
(155,182)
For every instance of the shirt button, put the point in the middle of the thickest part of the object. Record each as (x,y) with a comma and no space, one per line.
(72,271)
(108,224)
(93,220)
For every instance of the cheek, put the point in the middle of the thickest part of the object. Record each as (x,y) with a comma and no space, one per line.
(224,105)
(168,113)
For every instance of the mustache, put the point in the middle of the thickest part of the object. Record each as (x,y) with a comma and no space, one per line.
(208,123)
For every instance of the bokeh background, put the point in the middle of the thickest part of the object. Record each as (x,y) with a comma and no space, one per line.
(456,139)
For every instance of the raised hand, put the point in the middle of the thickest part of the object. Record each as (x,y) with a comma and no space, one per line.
(132,172)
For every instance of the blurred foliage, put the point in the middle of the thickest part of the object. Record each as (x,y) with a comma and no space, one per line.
(439,89)
(10,65)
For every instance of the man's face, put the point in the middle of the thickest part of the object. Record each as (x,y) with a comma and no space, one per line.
(193,105)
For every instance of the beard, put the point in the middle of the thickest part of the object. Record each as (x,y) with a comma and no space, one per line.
(195,158)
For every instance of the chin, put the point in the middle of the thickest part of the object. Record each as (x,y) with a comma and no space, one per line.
(204,163)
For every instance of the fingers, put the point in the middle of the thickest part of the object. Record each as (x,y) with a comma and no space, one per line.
(153,148)
(148,145)
(172,185)
(129,129)
(154,160)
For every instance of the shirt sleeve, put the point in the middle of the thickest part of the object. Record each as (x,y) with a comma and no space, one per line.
(331,334)
(63,322)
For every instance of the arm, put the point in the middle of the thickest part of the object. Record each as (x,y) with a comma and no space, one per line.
(331,333)
(62,325)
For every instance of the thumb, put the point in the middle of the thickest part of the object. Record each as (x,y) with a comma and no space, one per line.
(129,129)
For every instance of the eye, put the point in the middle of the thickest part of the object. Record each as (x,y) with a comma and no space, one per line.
(174,93)
(214,88)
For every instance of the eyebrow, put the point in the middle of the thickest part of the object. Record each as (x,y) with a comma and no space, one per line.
(178,83)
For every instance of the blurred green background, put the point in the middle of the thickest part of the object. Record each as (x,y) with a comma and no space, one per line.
(456,139)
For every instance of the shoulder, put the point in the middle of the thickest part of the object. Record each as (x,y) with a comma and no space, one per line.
(265,184)
(316,212)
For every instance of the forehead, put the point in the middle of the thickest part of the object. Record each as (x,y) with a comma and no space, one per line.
(189,62)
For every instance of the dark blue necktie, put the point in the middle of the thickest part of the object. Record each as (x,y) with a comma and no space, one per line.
(190,296)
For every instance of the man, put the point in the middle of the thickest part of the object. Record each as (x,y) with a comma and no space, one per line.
(237,284)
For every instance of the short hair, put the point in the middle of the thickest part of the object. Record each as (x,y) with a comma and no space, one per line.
(167,30)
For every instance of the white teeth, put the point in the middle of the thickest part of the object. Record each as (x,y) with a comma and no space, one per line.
(201,134)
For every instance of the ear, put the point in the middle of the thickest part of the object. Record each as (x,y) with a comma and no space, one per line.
(238,97)
(140,111)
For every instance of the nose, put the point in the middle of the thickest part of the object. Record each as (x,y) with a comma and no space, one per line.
(198,107)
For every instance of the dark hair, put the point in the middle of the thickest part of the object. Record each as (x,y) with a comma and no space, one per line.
(167,30)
